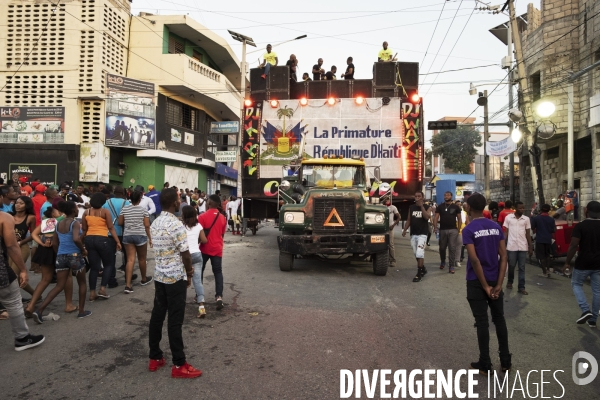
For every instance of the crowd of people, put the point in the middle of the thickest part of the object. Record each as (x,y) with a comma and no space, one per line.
(498,237)
(77,233)
(270,59)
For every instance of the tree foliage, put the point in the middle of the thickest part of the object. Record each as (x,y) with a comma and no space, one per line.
(458,147)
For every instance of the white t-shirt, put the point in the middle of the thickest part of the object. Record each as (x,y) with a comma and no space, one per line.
(202,208)
(80,205)
(192,237)
(233,206)
(148,204)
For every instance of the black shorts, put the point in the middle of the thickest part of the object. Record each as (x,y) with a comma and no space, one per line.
(543,250)
(44,256)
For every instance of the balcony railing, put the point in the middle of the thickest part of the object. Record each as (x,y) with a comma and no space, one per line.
(204,70)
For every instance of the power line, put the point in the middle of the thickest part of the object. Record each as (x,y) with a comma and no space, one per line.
(433,34)
(461,69)
(36,42)
(446,35)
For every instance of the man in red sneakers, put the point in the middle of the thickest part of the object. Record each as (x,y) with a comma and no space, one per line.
(270,59)
(172,276)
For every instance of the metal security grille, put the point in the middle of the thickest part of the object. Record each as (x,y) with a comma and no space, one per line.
(346,209)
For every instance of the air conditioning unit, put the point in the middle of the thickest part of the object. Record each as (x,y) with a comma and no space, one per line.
(506,62)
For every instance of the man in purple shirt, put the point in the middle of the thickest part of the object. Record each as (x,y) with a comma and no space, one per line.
(486,268)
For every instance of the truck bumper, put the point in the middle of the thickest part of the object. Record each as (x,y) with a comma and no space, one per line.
(338,244)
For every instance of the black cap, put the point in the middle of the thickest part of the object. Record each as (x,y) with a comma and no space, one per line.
(139,188)
(593,206)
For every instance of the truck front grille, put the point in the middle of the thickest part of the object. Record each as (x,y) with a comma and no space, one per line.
(345,209)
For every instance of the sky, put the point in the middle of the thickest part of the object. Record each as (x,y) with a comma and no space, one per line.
(440,35)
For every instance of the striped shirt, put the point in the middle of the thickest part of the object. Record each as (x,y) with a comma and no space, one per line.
(134,220)
(170,240)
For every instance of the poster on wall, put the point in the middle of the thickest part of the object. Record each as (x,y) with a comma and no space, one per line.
(44,173)
(32,125)
(94,161)
(189,139)
(130,113)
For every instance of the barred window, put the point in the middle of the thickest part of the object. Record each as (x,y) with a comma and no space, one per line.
(180,114)
(175,46)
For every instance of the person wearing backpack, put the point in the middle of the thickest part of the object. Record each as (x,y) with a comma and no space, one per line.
(214,224)
(115,205)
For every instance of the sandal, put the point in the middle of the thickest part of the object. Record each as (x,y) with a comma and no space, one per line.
(201,312)
(523,291)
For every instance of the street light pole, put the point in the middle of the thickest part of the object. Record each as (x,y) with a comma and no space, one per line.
(511,159)
(486,138)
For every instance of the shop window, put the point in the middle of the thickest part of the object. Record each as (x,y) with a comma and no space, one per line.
(583,151)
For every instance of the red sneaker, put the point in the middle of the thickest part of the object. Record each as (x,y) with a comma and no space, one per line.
(185,371)
(263,76)
(154,365)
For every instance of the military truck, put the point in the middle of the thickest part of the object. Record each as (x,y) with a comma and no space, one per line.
(330,213)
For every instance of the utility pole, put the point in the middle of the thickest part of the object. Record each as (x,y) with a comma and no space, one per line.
(486,138)
(538,190)
(511,159)
(570,138)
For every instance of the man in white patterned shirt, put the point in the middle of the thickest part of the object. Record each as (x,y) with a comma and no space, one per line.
(172,277)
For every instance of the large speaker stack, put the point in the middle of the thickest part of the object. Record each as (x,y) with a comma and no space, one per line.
(388,80)
(276,86)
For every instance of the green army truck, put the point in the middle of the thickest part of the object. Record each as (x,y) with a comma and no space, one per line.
(327,212)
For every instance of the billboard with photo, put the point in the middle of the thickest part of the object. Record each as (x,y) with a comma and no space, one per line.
(94,162)
(130,113)
(32,125)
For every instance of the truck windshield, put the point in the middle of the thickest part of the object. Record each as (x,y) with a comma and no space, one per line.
(329,175)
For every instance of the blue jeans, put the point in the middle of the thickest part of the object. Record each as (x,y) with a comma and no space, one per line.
(579,276)
(513,258)
(197,278)
(267,68)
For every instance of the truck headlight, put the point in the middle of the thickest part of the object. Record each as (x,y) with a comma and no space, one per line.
(294,217)
(284,185)
(374,218)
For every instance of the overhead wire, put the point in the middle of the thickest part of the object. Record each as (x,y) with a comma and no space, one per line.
(433,34)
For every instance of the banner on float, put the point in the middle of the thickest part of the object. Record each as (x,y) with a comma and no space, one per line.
(371,131)
(500,148)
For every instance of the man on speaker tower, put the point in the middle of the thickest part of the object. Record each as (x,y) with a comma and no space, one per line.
(318,72)
(385,54)
(269,60)
(349,74)
(330,75)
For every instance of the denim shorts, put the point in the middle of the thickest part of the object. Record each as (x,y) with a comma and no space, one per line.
(137,240)
(73,262)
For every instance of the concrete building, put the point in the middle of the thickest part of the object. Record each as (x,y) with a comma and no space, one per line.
(70,56)
(561,38)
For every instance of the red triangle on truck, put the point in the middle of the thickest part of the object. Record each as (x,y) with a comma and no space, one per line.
(332,214)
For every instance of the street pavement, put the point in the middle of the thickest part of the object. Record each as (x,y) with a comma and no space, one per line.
(287,335)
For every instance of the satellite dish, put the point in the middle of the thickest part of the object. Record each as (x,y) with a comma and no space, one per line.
(546,130)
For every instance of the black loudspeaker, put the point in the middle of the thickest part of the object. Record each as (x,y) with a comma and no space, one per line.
(258,96)
(409,74)
(278,95)
(362,88)
(385,92)
(279,79)
(318,89)
(298,90)
(256,82)
(340,89)
(384,74)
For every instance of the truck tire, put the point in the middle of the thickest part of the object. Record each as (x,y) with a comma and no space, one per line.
(286,261)
(381,262)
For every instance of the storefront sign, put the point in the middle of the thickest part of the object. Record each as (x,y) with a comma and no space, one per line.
(45,173)
(225,127)
(32,125)
(130,113)
(94,162)
(226,156)
(226,171)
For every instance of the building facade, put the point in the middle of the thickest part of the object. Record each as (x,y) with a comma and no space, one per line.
(68,111)
(562,38)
